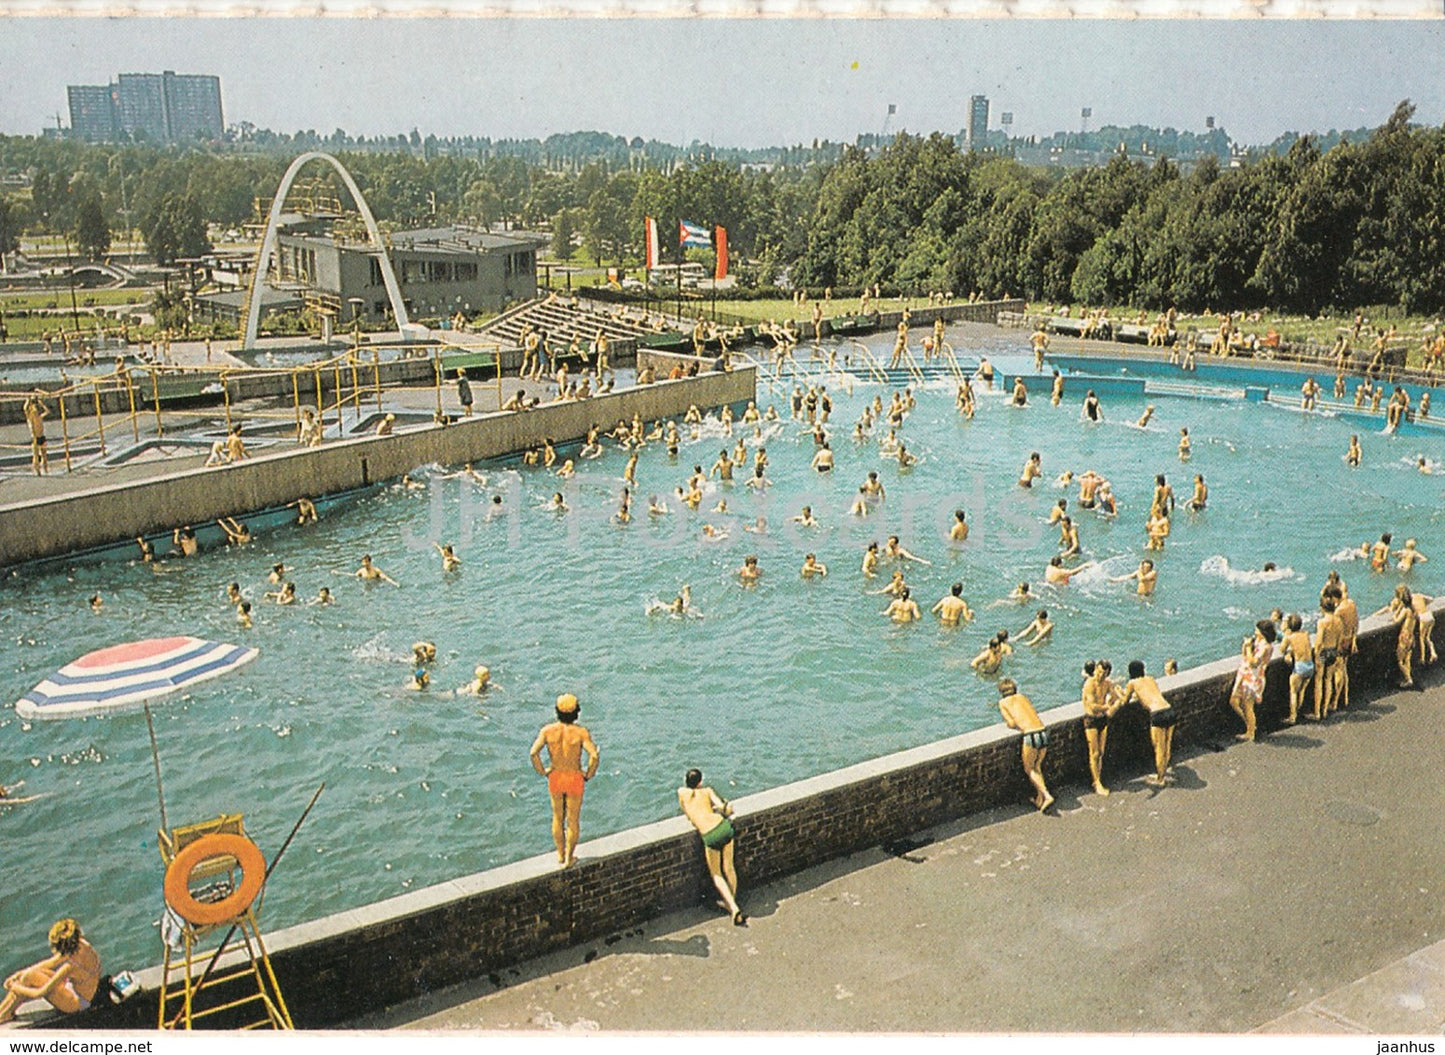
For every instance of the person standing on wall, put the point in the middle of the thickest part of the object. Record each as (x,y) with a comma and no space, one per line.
(464,392)
(710,815)
(565,741)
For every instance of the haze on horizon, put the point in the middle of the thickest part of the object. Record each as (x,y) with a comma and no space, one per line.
(744,83)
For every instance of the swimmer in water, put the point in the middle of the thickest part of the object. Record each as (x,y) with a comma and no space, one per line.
(369,572)
(423,653)
(96,604)
(480,683)
(1057,513)
(806,517)
(557,503)
(1033,469)
(243,615)
(1380,553)
(1424,466)
(812,568)
(655,507)
(237,534)
(624,508)
(952,607)
(959,531)
(306,510)
(989,660)
(278,573)
(420,680)
(323,597)
(1171,667)
(1146,575)
(723,467)
(903,609)
(870,560)
(749,573)
(1057,575)
(1352,456)
(1092,410)
(872,488)
(1186,448)
(1021,393)
(1042,628)
(629,472)
(450,561)
(757,527)
(711,532)
(287,594)
(1201,495)
(1064,479)
(1409,556)
(895,586)
(823,460)
(147,551)
(233,593)
(1144,417)
(758,481)
(906,460)
(1069,537)
(894,551)
(722,506)
(568,470)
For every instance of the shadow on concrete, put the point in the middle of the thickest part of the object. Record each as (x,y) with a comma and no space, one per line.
(1293,739)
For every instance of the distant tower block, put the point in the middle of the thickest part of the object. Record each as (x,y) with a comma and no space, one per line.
(977,120)
(268,246)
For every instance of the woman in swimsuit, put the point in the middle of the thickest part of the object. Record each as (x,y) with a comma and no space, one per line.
(67,979)
(1091,407)
(1248,688)
(1402,610)
(1297,648)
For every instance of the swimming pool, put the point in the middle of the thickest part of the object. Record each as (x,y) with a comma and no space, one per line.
(771,684)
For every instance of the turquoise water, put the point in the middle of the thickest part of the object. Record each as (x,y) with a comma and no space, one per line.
(770,684)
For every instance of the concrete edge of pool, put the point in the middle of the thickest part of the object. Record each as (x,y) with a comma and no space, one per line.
(110,513)
(350,963)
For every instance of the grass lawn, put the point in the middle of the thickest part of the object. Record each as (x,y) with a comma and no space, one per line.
(84,298)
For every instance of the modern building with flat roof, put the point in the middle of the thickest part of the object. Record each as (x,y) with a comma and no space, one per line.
(441,271)
(164,107)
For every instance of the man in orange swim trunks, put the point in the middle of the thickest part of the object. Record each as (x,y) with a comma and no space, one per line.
(565,741)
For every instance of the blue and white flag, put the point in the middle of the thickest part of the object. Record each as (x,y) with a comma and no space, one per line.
(693,235)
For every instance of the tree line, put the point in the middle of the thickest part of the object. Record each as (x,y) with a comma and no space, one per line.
(1301,229)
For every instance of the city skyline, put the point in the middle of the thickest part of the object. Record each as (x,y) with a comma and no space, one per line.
(747,83)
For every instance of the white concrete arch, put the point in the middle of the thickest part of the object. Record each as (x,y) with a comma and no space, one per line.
(268,245)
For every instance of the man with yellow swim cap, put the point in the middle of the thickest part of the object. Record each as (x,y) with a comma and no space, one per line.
(565,741)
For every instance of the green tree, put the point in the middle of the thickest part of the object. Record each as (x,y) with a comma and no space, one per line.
(91,232)
(9,229)
(564,228)
(175,230)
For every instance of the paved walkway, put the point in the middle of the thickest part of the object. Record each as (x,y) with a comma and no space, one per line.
(1275,885)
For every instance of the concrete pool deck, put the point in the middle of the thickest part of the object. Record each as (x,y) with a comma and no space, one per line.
(1294,885)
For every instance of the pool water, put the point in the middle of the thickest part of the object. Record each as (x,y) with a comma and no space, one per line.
(766,685)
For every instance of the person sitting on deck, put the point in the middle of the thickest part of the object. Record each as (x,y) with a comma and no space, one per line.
(68,979)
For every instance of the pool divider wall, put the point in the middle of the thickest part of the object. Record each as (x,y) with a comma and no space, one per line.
(99,516)
(250,383)
(338,968)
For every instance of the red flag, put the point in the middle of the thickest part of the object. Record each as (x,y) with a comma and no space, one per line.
(649,239)
(722,255)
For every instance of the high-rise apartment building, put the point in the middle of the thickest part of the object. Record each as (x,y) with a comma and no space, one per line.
(977,120)
(164,107)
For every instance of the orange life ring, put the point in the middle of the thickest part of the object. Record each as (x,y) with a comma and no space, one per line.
(208,913)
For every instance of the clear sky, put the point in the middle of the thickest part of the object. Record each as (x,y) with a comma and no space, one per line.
(743,83)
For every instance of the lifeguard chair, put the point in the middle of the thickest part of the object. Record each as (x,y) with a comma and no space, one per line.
(214,852)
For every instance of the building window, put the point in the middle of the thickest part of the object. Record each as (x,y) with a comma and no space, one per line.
(466,272)
(375,277)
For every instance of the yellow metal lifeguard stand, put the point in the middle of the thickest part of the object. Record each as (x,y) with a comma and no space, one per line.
(215,850)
